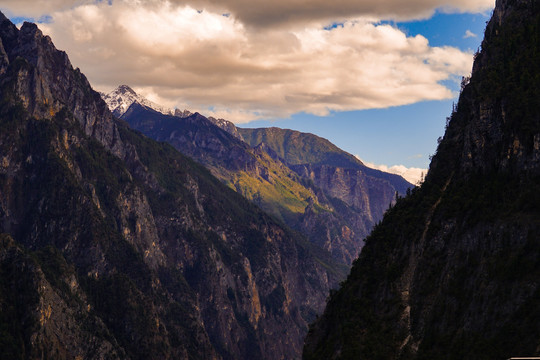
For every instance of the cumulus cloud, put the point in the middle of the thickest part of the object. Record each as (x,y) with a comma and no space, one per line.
(219,65)
(413,175)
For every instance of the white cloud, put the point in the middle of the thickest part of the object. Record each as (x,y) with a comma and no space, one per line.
(469,34)
(412,174)
(203,60)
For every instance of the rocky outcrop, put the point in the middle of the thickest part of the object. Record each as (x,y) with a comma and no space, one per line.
(227,126)
(42,79)
(452,271)
(117,246)
(182,114)
(36,315)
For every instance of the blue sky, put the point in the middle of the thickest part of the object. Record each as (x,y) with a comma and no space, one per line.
(402,135)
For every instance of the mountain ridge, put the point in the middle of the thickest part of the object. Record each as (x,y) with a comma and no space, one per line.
(260,176)
(122,97)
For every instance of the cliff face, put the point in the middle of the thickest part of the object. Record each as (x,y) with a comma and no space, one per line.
(452,271)
(116,246)
(369,195)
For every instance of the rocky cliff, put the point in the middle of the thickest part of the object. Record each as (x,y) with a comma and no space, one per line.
(453,270)
(116,246)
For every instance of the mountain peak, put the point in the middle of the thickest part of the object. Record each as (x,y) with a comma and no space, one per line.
(120,99)
(8,32)
(124,89)
(227,126)
(182,114)
(45,83)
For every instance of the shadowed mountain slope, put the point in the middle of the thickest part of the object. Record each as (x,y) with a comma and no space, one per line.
(453,270)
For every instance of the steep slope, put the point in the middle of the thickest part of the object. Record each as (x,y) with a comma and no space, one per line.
(338,173)
(264,179)
(453,270)
(116,246)
(300,148)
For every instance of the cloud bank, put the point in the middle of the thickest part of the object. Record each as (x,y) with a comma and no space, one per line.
(244,61)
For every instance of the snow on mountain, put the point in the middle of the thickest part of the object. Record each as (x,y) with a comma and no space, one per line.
(227,126)
(121,98)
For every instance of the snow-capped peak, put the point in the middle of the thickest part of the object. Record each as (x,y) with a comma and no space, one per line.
(121,98)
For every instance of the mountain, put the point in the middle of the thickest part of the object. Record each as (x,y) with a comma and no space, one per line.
(115,246)
(338,173)
(259,176)
(301,179)
(453,271)
(120,99)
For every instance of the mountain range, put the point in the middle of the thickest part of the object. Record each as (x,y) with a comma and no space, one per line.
(301,179)
(132,231)
(453,270)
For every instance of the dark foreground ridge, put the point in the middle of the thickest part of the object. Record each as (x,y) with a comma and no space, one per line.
(453,270)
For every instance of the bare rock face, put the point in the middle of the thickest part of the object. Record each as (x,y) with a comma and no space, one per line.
(44,83)
(116,246)
(359,195)
(371,196)
(452,271)
(42,318)
(182,114)
(227,126)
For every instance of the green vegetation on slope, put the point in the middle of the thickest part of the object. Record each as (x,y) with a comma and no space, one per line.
(300,148)
(279,193)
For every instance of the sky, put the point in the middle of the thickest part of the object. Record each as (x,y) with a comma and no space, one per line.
(375,77)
